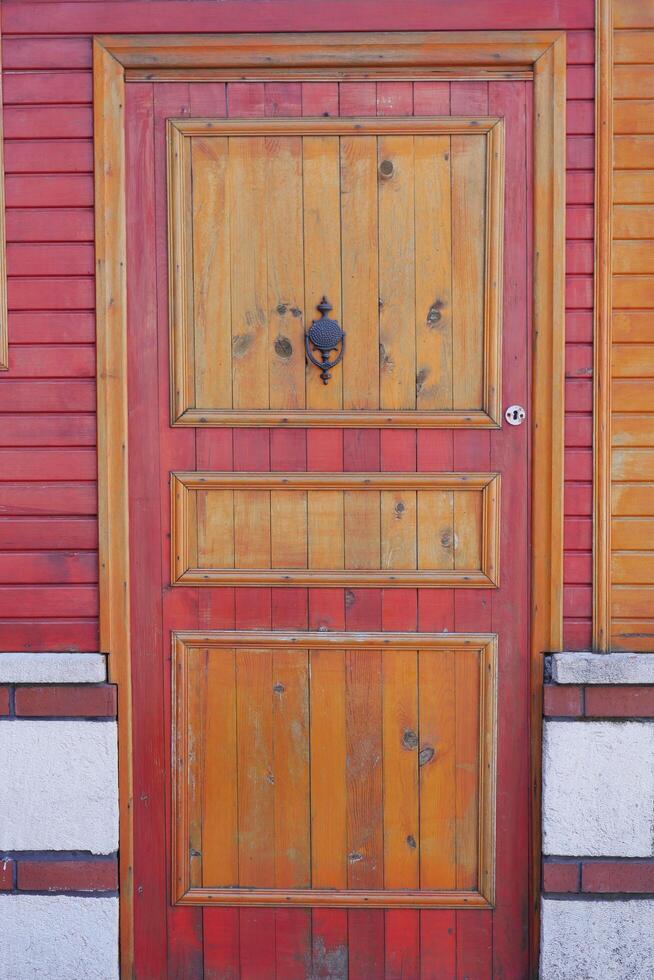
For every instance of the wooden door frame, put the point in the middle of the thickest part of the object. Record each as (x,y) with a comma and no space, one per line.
(488,55)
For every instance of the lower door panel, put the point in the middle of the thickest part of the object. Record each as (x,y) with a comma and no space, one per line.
(331,769)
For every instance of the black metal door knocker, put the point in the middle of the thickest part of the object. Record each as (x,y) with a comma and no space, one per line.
(324,335)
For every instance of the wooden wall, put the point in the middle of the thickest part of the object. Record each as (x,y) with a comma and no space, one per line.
(48,532)
(625,605)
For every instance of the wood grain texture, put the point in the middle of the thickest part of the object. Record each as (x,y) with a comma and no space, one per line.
(334,229)
(113,483)
(332,529)
(367,822)
(623,362)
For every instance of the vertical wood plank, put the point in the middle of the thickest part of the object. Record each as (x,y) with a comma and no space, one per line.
(437,944)
(221,944)
(402,943)
(434,453)
(362,532)
(215,524)
(252,606)
(251,450)
(366,944)
(438,857)
(290,609)
(149,868)
(398,529)
(325,450)
(322,253)
(288,450)
(397,274)
(293,943)
(474,944)
(468,251)
(328,770)
(290,692)
(178,608)
(365,855)
(326,541)
(400,609)
(398,450)
(400,769)
(361,450)
(326,606)
(359,263)
(288,529)
(256,772)
(319,98)
(510,619)
(282,98)
(220,798)
(436,529)
(257,937)
(466,669)
(285,257)
(252,528)
(357,98)
(211,272)
(472,607)
(467,530)
(249,274)
(433,272)
(431,98)
(329,944)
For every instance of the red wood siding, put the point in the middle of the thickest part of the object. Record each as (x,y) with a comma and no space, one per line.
(48,566)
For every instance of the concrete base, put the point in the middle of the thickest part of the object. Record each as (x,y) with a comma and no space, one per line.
(598,788)
(58,938)
(59,786)
(597,940)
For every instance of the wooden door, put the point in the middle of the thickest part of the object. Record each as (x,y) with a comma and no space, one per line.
(330,581)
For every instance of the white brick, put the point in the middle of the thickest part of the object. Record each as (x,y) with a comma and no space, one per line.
(598,788)
(59,786)
(597,940)
(52,668)
(603,668)
(45,937)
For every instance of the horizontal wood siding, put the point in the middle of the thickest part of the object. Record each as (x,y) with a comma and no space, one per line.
(577,597)
(48,394)
(48,522)
(631,568)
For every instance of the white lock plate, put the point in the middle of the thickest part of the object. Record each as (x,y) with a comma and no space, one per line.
(515,415)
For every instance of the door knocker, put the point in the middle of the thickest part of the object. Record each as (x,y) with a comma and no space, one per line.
(324,335)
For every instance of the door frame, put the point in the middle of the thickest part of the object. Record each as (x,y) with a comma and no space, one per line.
(453,55)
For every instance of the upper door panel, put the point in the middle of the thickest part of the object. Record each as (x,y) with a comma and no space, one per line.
(397,222)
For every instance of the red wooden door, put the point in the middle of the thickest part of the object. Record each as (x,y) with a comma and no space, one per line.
(431,874)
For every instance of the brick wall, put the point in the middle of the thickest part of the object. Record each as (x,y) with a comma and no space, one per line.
(598,817)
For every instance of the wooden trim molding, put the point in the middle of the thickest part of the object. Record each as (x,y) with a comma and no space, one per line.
(185,536)
(180,232)
(4,329)
(186,892)
(540,55)
(602,334)
(113,500)
(385,55)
